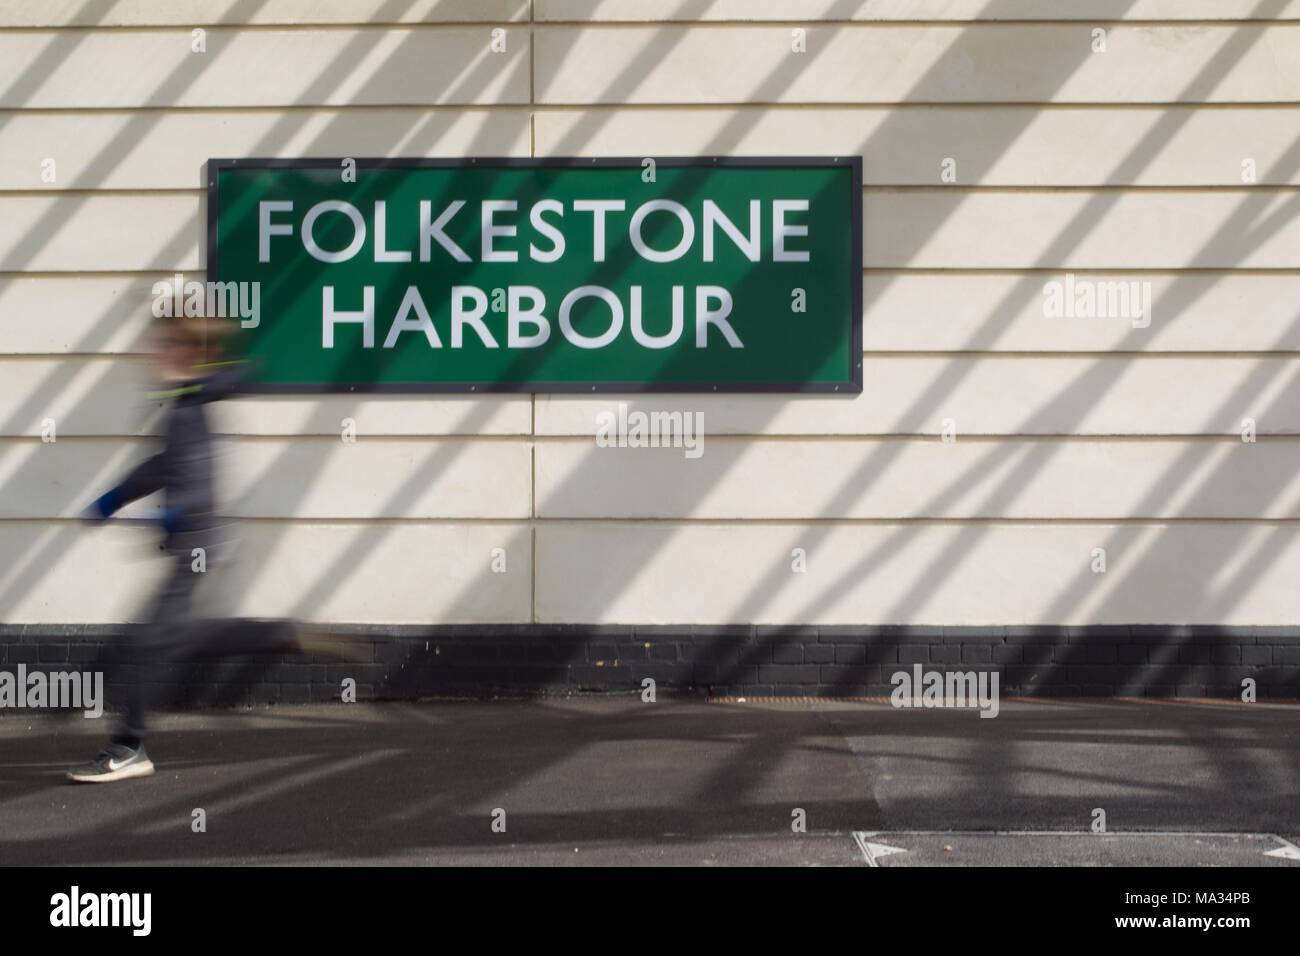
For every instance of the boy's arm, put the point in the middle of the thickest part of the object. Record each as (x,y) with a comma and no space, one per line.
(223,379)
(146,478)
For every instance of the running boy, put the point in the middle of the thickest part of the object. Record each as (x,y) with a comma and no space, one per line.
(183,472)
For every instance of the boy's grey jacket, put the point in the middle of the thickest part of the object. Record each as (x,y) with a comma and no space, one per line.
(183,470)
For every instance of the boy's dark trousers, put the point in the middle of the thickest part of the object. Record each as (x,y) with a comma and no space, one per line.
(171,635)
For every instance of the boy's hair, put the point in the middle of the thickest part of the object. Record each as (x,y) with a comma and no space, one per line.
(200,333)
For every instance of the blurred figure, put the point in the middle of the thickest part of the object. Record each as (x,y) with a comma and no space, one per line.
(183,472)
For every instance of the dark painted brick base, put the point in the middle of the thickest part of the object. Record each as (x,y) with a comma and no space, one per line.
(492,660)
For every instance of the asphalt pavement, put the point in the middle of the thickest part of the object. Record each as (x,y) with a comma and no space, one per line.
(606,780)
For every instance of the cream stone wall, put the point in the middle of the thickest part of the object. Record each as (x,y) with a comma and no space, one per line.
(1154,142)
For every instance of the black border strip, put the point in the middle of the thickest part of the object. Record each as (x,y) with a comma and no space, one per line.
(853,386)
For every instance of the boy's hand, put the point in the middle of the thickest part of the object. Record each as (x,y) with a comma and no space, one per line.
(171,520)
(102,507)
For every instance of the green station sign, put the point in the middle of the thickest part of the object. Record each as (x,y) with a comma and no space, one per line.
(556,275)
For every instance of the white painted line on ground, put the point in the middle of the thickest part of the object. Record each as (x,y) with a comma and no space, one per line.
(1287,851)
(1123,833)
(873,851)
